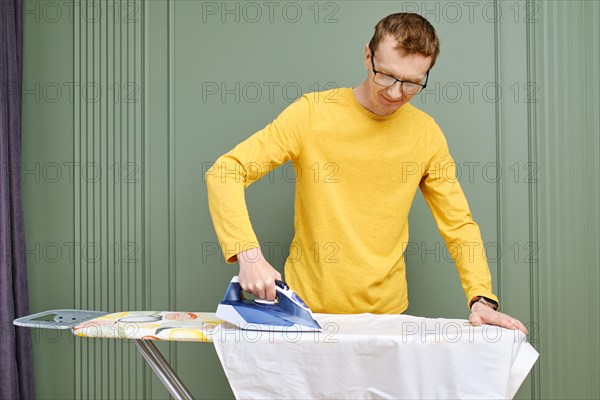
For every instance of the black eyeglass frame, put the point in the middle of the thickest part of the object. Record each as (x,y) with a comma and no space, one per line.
(375,72)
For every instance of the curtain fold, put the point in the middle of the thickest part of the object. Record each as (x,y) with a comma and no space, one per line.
(16,361)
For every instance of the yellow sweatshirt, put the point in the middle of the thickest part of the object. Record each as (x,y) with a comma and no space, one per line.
(357,174)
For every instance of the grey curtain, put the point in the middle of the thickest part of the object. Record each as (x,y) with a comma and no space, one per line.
(16,366)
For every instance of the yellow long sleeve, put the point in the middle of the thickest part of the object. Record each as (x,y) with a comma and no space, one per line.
(356,177)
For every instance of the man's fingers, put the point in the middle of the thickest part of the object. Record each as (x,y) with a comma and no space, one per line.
(508,322)
(475,319)
(261,290)
(497,318)
(270,290)
(261,293)
(516,324)
(523,328)
(256,275)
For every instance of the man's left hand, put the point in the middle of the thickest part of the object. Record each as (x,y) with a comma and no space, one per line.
(482,314)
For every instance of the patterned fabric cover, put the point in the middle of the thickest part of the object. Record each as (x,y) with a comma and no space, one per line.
(152,325)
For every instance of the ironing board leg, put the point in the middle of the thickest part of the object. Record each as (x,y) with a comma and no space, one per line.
(163,370)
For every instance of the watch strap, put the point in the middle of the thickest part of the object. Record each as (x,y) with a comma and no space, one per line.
(485,300)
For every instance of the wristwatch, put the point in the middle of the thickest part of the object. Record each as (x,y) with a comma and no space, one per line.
(487,301)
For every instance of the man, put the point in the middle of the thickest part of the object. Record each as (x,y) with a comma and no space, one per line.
(360,154)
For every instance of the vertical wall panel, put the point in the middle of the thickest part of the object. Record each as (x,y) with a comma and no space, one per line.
(513,252)
(566,47)
(108,191)
(47,168)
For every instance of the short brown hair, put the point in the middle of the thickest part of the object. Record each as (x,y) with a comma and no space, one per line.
(414,34)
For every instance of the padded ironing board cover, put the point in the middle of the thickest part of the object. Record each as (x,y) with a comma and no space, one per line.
(151,325)
(366,356)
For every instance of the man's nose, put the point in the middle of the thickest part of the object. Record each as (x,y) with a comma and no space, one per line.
(395,91)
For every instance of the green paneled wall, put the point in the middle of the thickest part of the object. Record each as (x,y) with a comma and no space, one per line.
(47,170)
(152,92)
(108,190)
(566,46)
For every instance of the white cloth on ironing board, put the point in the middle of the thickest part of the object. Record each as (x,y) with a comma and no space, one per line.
(367,356)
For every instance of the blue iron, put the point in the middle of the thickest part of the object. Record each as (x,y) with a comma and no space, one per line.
(287,313)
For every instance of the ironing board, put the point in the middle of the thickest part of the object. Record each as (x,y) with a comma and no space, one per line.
(386,343)
(143,327)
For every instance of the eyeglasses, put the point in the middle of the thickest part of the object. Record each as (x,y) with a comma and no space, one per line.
(410,88)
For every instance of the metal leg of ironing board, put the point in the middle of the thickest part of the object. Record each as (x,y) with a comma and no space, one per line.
(163,370)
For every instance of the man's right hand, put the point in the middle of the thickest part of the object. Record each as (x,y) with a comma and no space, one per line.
(256,275)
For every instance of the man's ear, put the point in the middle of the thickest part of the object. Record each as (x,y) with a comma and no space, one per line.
(367,57)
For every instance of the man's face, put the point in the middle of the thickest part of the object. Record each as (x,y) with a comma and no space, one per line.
(409,67)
